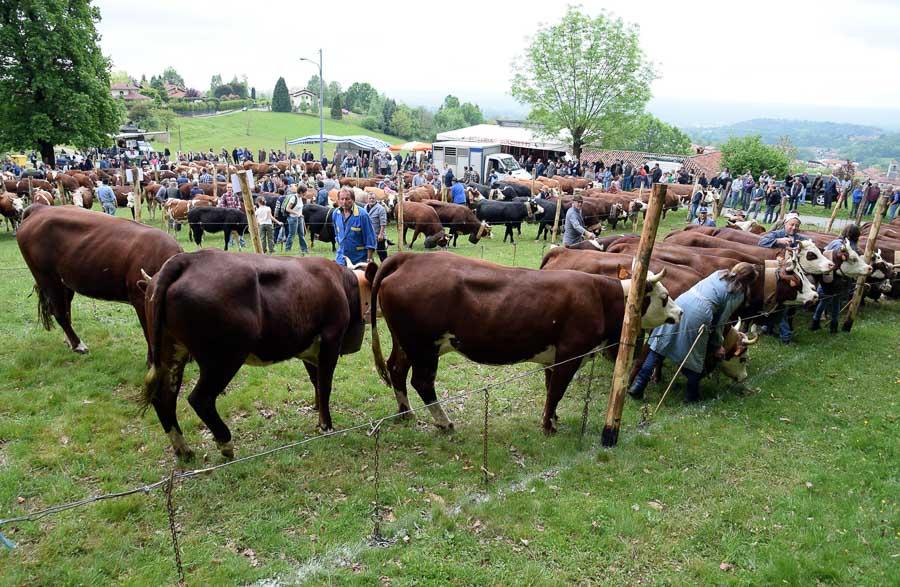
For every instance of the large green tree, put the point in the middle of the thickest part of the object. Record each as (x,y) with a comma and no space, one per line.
(581,75)
(54,80)
(173,77)
(649,134)
(336,107)
(742,153)
(358,97)
(281,98)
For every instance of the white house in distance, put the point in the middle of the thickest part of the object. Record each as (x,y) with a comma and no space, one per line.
(303,96)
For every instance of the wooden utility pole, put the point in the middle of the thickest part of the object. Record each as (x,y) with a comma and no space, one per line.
(869,253)
(400,231)
(247,197)
(631,327)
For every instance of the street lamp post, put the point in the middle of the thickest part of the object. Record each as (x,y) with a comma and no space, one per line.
(321,104)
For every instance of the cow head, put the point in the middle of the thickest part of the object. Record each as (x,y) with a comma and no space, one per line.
(852,265)
(734,363)
(801,290)
(78,197)
(658,307)
(129,199)
(18,205)
(811,259)
(441,239)
(484,231)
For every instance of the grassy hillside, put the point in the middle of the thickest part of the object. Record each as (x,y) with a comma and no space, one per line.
(266,130)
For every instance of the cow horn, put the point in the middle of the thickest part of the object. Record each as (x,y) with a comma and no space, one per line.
(146,277)
(738,325)
(755,336)
(658,277)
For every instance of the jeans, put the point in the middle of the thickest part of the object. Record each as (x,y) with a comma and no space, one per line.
(832,304)
(692,391)
(892,211)
(626,183)
(294,223)
(267,236)
(783,318)
(745,200)
(854,209)
(753,212)
(870,208)
(803,196)
(770,214)
(734,200)
(693,212)
(110,209)
(792,203)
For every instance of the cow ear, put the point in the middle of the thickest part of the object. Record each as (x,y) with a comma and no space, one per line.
(142,285)
(371,270)
(623,273)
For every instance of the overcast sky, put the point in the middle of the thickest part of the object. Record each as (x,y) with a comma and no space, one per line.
(767,52)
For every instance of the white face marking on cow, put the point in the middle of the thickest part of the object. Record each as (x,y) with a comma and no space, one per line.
(734,368)
(18,205)
(130,200)
(807,293)
(818,264)
(855,265)
(662,308)
(545,357)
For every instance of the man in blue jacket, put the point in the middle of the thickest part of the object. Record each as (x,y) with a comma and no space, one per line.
(458,192)
(353,231)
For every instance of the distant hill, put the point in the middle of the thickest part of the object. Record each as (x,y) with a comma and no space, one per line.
(267,130)
(803,133)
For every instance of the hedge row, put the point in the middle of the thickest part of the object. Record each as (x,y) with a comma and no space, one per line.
(210,105)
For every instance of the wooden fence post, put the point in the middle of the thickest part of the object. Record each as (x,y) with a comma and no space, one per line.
(400,242)
(62,191)
(138,199)
(559,205)
(783,209)
(834,212)
(869,253)
(632,324)
(247,197)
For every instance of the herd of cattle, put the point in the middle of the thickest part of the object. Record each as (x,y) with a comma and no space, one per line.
(280,308)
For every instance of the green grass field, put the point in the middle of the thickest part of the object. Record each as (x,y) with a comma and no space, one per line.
(268,130)
(790,479)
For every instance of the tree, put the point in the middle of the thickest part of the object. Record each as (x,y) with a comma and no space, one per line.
(387,114)
(404,123)
(581,73)
(649,134)
(358,97)
(253,93)
(450,102)
(120,76)
(239,88)
(173,77)
(313,86)
(214,83)
(223,90)
(336,107)
(741,154)
(471,113)
(54,79)
(192,93)
(331,90)
(281,99)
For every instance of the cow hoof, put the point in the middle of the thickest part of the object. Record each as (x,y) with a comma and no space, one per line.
(184,455)
(447,428)
(81,349)
(227,449)
(325,429)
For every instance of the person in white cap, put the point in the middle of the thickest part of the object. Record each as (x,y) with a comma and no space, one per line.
(783,237)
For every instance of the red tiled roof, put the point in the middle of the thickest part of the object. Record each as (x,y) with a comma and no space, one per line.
(707,162)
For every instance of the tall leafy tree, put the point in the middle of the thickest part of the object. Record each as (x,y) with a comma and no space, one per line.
(173,77)
(742,153)
(387,114)
(215,82)
(281,99)
(336,107)
(649,134)
(582,74)
(359,96)
(54,80)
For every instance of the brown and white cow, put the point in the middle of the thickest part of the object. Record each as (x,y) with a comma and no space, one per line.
(71,250)
(11,208)
(279,308)
(492,320)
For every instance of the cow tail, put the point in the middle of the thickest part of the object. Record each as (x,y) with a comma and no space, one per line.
(45,312)
(158,373)
(387,268)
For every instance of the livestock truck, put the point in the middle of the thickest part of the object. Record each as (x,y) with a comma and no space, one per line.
(482,157)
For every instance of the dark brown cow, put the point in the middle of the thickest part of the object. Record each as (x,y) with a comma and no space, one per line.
(810,257)
(71,250)
(423,220)
(279,308)
(785,283)
(492,320)
(12,186)
(460,220)
(629,245)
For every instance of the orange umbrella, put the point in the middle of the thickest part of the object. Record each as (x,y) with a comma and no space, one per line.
(411,146)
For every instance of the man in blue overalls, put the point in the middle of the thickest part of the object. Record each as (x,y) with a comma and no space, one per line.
(353,232)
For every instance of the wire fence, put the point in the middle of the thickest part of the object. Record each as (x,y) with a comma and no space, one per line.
(373,428)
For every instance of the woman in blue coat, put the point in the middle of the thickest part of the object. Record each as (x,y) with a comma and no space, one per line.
(709,303)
